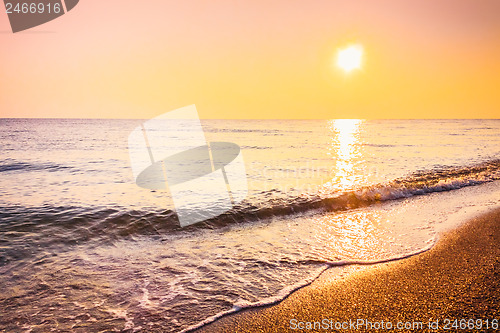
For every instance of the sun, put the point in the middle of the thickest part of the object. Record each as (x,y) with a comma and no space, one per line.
(350,58)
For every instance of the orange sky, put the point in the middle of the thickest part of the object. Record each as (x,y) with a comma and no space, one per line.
(256,59)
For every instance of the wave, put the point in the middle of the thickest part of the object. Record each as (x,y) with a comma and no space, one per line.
(71,225)
(420,183)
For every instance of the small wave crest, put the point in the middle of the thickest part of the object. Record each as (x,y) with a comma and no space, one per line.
(71,225)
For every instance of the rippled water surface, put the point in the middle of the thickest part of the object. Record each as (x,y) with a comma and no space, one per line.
(83,248)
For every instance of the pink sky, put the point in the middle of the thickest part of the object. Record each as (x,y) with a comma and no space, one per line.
(255,59)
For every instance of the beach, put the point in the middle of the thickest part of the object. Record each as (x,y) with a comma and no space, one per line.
(250,166)
(459,278)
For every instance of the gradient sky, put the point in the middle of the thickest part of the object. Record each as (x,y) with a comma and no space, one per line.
(256,59)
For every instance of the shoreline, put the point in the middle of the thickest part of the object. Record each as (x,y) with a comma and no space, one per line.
(459,278)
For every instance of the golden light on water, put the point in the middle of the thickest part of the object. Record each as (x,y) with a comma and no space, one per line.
(351,235)
(350,58)
(344,149)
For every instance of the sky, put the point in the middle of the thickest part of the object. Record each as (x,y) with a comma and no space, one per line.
(255,59)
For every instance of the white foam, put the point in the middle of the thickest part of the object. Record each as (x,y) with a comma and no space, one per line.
(449,211)
(122,313)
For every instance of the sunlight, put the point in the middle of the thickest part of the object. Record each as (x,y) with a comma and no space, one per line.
(350,58)
(345,152)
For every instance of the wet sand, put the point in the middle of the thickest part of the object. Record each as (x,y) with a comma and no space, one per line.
(458,279)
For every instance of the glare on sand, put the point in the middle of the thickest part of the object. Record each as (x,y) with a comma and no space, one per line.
(350,58)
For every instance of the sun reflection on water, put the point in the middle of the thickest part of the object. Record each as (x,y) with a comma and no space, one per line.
(345,150)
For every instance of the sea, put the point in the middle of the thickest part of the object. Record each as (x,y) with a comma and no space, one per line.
(83,248)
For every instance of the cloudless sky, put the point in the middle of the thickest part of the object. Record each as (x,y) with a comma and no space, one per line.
(256,59)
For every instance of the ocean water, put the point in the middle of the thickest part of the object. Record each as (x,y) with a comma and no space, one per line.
(83,248)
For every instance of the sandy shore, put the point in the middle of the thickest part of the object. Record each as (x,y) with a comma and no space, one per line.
(458,279)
